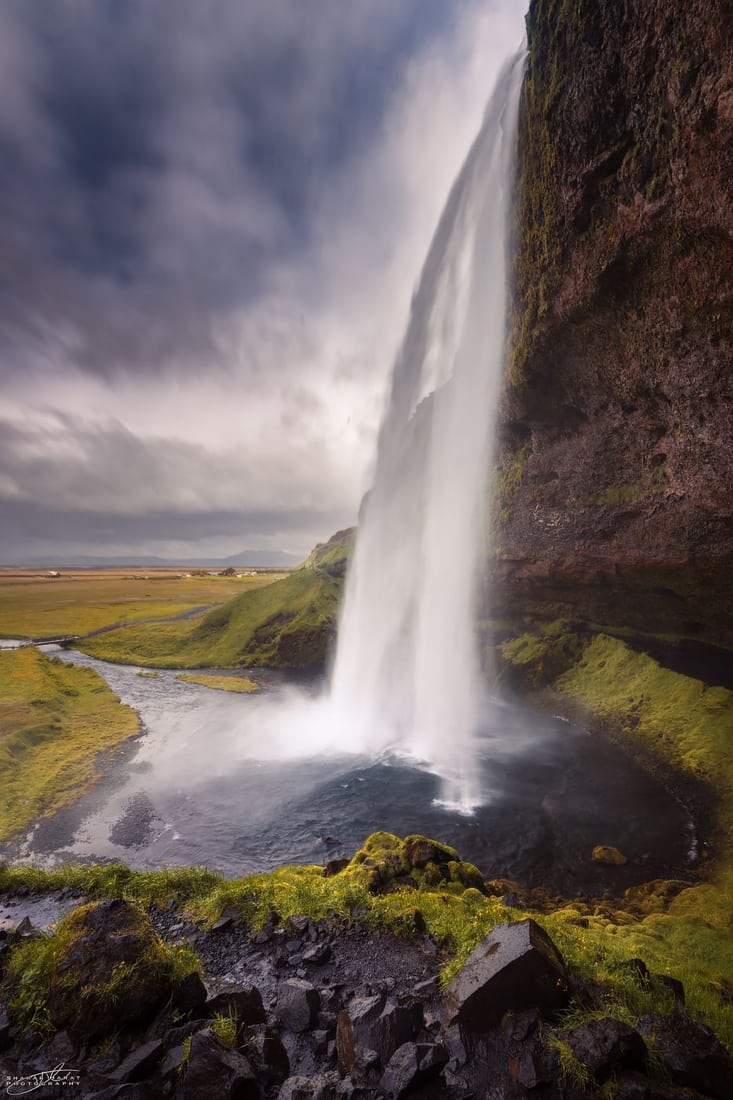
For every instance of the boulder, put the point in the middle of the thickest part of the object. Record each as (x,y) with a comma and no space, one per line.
(412,1065)
(273,1056)
(516,967)
(605,1046)
(298,1003)
(374,1023)
(244,1001)
(112,970)
(190,994)
(320,1087)
(636,1086)
(606,853)
(214,1070)
(140,1062)
(691,1054)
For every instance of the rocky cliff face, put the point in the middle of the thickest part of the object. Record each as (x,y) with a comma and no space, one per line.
(616,486)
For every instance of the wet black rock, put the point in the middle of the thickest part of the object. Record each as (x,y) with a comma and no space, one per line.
(374,1023)
(242,1001)
(190,994)
(111,937)
(412,1065)
(606,1046)
(298,1003)
(320,1087)
(517,966)
(270,1055)
(4,1029)
(215,1071)
(140,1062)
(635,1086)
(691,1054)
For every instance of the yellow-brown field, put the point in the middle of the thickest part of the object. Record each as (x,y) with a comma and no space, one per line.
(34,605)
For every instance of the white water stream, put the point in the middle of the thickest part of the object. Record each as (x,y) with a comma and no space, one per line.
(407,673)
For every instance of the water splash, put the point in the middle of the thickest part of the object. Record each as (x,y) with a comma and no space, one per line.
(407,671)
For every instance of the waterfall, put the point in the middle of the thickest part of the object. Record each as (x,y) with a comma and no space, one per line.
(407,672)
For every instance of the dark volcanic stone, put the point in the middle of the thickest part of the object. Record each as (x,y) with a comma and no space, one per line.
(691,1054)
(243,1000)
(4,1029)
(412,1065)
(108,933)
(635,1086)
(140,1062)
(297,1004)
(215,1071)
(517,966)
(320,1087)
(372,1023)
(606,1045)
(273,1056)
(190,994)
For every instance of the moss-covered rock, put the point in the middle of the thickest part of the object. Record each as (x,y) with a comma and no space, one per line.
(606,853)
(103,969)
(385,863)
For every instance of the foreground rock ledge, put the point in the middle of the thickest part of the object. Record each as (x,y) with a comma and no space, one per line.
(516,967)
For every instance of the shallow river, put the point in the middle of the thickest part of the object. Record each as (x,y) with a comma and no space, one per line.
(214,780)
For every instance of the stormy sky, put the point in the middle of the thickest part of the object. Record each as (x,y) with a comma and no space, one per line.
(212,217)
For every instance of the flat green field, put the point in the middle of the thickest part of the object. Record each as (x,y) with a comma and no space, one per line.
(55,720)
(237,684)
(78,602)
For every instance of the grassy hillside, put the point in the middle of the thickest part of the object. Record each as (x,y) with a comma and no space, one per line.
(82,601)
(55,720)
(288,624)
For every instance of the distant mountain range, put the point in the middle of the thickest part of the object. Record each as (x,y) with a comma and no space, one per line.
(261,558)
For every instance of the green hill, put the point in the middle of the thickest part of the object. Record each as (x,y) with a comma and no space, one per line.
(288,624)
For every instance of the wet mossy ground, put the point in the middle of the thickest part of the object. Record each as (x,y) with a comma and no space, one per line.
(99,958)
(678,929)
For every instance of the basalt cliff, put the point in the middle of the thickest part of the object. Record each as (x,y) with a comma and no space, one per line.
(615,489)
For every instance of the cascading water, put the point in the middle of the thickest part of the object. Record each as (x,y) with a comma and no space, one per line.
(407,672)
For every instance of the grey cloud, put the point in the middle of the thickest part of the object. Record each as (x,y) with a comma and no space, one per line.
(161,159)
(24,520)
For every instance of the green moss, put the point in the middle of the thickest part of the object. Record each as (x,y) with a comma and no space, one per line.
(238,684)
(55,720)
(332,557)
(45,970)
(385,862)
(690,939)
(678,929)
(509,479)
(287,624)
(681,719)
(538,657)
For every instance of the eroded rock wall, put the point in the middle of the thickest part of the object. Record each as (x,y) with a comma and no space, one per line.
(615,494)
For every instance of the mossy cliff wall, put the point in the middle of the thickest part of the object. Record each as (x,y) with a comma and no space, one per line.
(616,486)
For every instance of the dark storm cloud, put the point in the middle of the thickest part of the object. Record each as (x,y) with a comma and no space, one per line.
(159,160)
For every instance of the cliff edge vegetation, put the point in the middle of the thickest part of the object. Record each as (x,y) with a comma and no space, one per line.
(288,624)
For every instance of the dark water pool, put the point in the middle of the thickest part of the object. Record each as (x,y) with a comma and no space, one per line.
(213,781)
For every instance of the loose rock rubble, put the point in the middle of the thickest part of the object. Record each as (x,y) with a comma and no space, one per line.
(328,1011)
